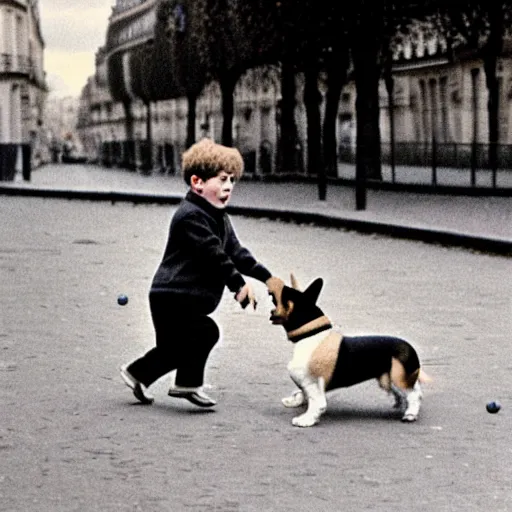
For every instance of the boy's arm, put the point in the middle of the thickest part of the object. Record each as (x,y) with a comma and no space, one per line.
(199,237)
(248,265)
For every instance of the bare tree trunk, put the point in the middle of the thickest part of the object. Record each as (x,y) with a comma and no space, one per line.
(368,152)
(336,78)
(474,94)
(128,119)
(366,44)
(312,101)
(367,111)
(288,128)
(191,119)
(492,51)
(390,88)
(227,87)
(149,137)
(493,110)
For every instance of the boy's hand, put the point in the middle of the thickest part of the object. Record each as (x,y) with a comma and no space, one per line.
(245,296)
(275,286)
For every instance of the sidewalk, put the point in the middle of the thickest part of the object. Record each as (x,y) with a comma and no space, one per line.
(481,223)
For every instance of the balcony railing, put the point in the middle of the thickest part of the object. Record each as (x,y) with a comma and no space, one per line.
(140,26)
(124,5)
(15,64)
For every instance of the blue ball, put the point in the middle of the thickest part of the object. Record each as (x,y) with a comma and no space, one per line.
(122,300)
(493,407)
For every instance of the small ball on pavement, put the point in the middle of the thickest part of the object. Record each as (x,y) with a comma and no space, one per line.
(122,300)
(493,407)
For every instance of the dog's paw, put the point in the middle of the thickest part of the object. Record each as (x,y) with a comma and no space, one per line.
(305,420)
(409,418)
(294,400)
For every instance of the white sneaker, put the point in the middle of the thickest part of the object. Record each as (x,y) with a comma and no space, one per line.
(139,390)
(194,395)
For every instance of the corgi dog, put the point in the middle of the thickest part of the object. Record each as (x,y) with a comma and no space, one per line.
(324,359)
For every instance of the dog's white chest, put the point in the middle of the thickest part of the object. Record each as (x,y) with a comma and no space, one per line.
(303,349)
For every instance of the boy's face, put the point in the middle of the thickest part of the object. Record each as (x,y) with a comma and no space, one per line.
(216,190)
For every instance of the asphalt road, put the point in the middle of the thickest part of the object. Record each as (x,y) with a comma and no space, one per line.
(72,439)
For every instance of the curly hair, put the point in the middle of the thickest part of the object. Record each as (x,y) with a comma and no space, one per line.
(206,159)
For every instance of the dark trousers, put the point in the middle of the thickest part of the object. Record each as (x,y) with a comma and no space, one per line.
(183,342)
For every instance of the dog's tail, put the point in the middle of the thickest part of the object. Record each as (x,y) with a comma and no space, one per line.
(424,378)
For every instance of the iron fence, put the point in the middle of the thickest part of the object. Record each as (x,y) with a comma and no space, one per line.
(440,154)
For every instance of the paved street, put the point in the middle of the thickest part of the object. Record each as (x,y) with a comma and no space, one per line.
(489,218)
(72,439)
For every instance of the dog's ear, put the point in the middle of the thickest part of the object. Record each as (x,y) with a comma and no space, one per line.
(312,292)
(290,294)
(295,283)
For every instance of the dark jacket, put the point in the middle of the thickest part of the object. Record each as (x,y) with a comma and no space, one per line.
(202,256)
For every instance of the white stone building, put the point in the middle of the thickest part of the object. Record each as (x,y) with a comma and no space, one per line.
(22,84)
(101,119)
(437,98)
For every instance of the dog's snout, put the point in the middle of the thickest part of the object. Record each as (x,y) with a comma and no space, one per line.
(274,317)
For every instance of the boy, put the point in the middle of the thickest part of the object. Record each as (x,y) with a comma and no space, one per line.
(202,256)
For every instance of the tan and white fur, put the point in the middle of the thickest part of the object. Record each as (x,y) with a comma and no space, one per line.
(317,364)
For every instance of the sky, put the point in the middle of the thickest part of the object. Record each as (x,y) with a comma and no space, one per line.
(73,30)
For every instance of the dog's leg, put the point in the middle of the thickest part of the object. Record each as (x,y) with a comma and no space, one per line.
(313,391)
(317,403)
(400,398)
(296,399)
(413,398)
(406,388)
(398,394)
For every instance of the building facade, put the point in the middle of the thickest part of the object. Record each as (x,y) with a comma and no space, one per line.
(438,106)
(60,121)
(22,86)
(102,120)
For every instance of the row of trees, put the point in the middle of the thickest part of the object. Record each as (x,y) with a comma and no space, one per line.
(197,41)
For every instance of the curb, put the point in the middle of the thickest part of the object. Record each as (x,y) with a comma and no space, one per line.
(91,195)
(388,186)
(497,246)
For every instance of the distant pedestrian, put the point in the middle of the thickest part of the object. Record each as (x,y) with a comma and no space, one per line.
(203,255)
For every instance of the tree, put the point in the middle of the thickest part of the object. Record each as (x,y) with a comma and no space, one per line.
(369,27)
(180,57)
(140,66)
(335,61)
(308,26)
(302,29)
(118,89)
(336,64)
(286,40)
(238,36)
(366,35)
